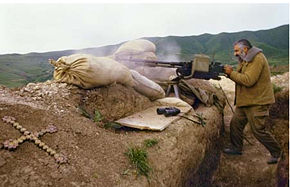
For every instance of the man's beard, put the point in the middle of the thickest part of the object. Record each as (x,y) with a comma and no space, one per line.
(241,56)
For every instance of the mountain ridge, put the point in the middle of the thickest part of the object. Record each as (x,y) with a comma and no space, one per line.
(19,69)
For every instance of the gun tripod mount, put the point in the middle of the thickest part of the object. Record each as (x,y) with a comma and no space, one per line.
(173,82)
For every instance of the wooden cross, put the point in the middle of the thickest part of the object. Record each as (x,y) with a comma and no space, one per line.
(34,137)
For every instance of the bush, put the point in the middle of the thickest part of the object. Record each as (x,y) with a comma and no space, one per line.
(138,157)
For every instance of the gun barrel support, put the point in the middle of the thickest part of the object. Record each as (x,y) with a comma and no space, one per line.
(175,88)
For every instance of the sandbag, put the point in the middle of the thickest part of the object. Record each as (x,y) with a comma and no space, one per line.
(135,47)
(171,101)
(143,50)
(87,71)
(147,87)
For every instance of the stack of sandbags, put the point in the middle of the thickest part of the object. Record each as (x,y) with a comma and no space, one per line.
(87,71)
(143,50)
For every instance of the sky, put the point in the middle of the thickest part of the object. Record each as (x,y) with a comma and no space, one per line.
(45,27)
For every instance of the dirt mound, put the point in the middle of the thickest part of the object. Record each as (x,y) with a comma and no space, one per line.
(96,154)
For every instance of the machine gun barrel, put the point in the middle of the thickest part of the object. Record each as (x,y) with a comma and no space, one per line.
(200,67)
(154,63)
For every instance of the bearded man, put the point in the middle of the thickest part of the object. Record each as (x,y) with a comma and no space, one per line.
(253,97)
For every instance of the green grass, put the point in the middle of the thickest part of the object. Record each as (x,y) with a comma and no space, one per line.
(138,157)
(277,73)
(84,112)
(150,142)
(98,116)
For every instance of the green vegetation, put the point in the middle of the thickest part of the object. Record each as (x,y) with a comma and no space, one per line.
(277,70)
(98,119)
(150,142)
(274,42)
(276,88)
(138,157)
(84,112)
(17,70)
(98,116)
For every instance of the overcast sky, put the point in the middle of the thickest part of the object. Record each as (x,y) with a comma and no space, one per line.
(49,27)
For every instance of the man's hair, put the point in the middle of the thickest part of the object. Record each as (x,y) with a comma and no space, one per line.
(244,43)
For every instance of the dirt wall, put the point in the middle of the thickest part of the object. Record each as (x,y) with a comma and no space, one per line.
(96,154)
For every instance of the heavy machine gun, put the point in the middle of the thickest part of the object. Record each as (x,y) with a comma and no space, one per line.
(200,67)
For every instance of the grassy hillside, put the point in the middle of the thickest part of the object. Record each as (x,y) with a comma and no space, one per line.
(274,42)
(17,70)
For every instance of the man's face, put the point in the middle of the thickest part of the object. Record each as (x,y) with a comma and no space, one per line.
(240,52)
(237,51)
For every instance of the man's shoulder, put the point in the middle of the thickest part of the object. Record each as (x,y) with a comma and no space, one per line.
(260,57)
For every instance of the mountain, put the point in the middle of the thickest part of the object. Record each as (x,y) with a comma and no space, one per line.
(19,69)
(274,42)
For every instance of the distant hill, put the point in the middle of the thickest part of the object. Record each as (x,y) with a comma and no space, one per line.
(17,69)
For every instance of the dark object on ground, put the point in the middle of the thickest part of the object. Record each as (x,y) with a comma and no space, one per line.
(168,111)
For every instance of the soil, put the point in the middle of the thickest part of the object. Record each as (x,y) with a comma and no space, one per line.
(186,154)
(96,155)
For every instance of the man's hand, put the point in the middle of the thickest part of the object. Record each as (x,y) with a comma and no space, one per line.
(228,69)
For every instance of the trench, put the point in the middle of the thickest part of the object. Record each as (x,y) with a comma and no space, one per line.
(204,175)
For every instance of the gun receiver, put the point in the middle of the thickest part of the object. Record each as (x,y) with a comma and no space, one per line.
(200,67)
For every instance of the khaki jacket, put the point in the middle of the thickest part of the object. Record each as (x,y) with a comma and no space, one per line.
(253,83)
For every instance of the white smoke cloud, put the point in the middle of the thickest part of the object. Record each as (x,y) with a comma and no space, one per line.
(169,51)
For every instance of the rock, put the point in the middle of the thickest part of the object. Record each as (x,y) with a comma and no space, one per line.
(27,170)
(30,84)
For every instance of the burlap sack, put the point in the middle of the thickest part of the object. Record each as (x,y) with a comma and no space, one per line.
(147,87)
(143,50)
(88,71)
(171,101)
(135,47)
